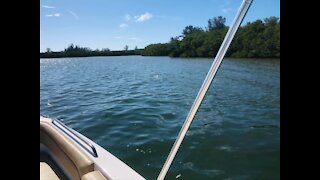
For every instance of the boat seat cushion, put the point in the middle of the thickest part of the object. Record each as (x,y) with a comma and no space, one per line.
(94,175)
(46,172)
(72,159)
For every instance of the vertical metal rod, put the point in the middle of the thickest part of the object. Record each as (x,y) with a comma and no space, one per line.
(206,84)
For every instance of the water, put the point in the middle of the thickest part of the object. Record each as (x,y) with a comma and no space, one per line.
(135,106)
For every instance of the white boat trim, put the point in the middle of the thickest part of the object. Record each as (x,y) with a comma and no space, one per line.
(109,165)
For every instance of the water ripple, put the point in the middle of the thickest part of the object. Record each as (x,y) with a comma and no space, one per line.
(135,106)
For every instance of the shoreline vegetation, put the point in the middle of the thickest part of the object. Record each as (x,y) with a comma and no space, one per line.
(258,39)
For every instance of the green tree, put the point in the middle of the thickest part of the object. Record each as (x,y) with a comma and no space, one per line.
(105,49)
(216,23)
(190,30)
(173,47)
(258,39)
(156,50)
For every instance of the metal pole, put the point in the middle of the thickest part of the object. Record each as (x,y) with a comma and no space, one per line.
(206,84)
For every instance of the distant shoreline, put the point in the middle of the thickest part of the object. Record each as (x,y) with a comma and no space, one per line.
(258,39)
(157,56)
(88,53)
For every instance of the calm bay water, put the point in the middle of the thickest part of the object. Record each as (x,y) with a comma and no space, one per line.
(135,106)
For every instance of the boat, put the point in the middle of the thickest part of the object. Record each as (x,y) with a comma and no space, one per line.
(67,154)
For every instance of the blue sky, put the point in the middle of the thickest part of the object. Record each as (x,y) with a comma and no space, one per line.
(113,24)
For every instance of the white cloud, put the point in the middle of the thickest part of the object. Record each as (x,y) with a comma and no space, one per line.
(48,7)
(226,3)
(226,7)
(144,17)
(127,17)
(117,37)
(53,15)
(74,14)
(123,25)
(135,39)
(226,10)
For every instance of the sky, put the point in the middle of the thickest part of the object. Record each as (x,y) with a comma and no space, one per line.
(113,24)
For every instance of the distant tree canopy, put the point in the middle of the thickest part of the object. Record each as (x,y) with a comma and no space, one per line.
(190,29)
(77,51)
(216,23)
(258,39)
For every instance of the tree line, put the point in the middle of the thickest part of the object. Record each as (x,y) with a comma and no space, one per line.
(258,39)
(77,51)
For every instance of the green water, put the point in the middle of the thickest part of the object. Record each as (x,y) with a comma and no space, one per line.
(135,106)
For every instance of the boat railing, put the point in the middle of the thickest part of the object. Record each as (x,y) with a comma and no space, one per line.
(70,133)
(244,7)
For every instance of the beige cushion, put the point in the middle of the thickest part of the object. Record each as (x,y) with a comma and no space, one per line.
(46,173)
(94,175)
(69,155)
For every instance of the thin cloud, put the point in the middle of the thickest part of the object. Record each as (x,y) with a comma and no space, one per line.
(226,7)
(48,7)
(136,39)
(123,25)
(226,10)
(127,17)
(117,37)
(226,3)
(53,15)
(74,14)
(168,17)
(144,17)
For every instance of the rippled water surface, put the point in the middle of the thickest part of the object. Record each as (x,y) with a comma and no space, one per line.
(135,106)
